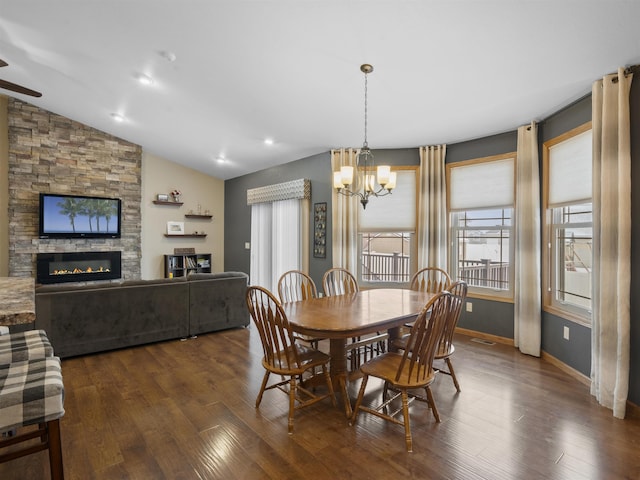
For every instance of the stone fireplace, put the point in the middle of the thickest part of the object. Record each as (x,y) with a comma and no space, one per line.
(78,267)
(48,153)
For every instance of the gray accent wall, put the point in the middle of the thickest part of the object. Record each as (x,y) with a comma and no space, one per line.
(494,318)
(575,352)
(237,230)
(316,168)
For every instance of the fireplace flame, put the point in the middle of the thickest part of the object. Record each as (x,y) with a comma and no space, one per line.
(66,271)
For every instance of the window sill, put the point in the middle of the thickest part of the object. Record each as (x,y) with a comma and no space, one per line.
(571,316)
(489,296)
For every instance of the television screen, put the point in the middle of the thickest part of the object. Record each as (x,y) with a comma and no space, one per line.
(74,216)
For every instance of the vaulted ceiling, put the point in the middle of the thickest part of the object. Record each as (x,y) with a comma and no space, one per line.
(226,75)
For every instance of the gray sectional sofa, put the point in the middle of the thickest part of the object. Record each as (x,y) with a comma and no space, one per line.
(82,319)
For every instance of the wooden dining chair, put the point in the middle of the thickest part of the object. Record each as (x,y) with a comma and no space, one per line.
(410,370)
(295,286)
(446,348)
(340,281)
(430,279)
(283,356)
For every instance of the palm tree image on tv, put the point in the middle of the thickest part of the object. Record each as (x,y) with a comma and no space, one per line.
(70,208)
(80,215)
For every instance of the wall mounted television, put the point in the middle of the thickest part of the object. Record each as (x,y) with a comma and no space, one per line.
(77,216)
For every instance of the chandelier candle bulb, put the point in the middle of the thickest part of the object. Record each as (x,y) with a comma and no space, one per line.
(347,175)
(383,174)
(370,181)
(391,184)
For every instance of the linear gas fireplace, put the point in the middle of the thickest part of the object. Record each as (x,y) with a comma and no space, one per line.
(78,267)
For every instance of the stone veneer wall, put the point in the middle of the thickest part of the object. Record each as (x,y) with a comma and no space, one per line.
(51,154)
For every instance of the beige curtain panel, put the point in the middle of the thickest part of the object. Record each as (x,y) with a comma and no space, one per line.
(344,216)
(527,293)
(611,241)
(432,208)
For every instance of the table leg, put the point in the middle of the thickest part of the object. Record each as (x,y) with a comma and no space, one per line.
(394,333)
(338,352)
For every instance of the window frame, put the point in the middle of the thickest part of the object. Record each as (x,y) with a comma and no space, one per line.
(488,293)
(413,248)
(550,304)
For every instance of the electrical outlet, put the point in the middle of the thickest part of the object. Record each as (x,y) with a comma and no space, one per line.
(565,333)
(469,307)
(247,246)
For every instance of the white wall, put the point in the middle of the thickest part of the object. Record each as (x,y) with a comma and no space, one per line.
(162,176)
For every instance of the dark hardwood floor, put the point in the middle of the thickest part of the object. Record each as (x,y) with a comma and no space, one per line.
(185,410)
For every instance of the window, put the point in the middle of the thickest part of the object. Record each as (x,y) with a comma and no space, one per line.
(279,230)
(386,232)
(480,204)
(568,225)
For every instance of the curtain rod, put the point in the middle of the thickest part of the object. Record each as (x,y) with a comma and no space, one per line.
(627,71)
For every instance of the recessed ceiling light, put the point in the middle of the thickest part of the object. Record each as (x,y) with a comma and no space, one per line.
(117,117)
(268,141)
(221,159)
(145,79)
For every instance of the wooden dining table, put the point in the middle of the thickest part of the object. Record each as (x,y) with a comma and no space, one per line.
(341,317)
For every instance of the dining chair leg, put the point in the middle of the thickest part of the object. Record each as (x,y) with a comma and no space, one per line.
(345,395)
(432,403)
(407,424)
(55,450)
(292,401)
(385,394)
(262,387)
(356,408)
(452,373)
(327,376)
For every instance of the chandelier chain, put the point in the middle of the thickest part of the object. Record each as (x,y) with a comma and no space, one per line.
(366,183)
(366,144)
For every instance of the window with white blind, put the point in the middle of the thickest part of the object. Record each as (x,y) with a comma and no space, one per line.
(480,203)
(568,224)
(279,233)
(386,233)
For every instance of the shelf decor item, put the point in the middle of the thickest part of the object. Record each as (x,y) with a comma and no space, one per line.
(162,197)
(176,194)
(175,228)
(184,251)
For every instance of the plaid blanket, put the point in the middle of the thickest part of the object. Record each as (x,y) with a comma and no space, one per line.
(31,392)
(29,345)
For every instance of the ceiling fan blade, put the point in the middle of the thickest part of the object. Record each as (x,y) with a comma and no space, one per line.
(19,89)
(3,63)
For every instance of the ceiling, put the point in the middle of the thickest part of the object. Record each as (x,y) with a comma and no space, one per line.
(229,74)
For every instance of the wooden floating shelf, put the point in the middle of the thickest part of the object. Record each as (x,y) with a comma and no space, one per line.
(159,202)
(195,215)
(187,235)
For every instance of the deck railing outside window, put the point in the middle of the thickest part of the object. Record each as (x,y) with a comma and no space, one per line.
(395,268)
(386,267)
(484,273)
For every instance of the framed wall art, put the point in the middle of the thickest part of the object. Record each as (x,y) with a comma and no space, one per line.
(175,228)
(320,230)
